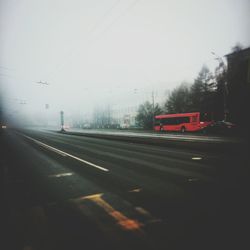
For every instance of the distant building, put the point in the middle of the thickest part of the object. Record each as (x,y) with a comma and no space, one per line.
(125,116)
(238,82)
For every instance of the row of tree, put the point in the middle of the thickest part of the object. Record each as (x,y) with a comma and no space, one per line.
(206,94)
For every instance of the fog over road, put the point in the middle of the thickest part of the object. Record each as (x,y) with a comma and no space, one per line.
(67,191)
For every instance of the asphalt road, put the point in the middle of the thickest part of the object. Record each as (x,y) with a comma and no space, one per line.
(74,192)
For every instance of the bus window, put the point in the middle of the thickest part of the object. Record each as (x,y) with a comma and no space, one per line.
(173,121)
(165,121)
(184,119)
(157,122)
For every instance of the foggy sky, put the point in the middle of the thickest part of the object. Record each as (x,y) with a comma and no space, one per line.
(110,52)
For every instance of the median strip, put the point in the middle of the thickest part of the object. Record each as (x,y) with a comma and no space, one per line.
(60,152)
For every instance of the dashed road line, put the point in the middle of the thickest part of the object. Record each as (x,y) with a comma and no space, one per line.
(60,175)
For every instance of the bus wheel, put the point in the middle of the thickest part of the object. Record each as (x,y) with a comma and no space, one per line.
(183,129)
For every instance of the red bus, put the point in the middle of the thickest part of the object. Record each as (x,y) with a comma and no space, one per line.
(182,122)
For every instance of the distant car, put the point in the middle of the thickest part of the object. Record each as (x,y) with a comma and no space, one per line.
(221,127)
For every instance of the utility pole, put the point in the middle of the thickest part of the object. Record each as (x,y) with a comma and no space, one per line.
(46,104)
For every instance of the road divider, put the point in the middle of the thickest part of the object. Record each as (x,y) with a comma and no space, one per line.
(197,143)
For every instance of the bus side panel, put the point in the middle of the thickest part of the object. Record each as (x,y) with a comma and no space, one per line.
(175,123)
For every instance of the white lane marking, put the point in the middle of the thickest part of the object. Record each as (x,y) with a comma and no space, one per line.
(196,158)
(192,179)
(143,211)
(65,154)
(60,175)
(135,190)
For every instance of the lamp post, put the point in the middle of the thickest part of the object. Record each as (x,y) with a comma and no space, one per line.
(46,104)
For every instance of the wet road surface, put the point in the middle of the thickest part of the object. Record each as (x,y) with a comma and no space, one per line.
(74,192)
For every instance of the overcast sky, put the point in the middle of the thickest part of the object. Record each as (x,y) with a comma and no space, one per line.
(97,52)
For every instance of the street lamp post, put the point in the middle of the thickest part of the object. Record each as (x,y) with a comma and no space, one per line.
(46,104)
